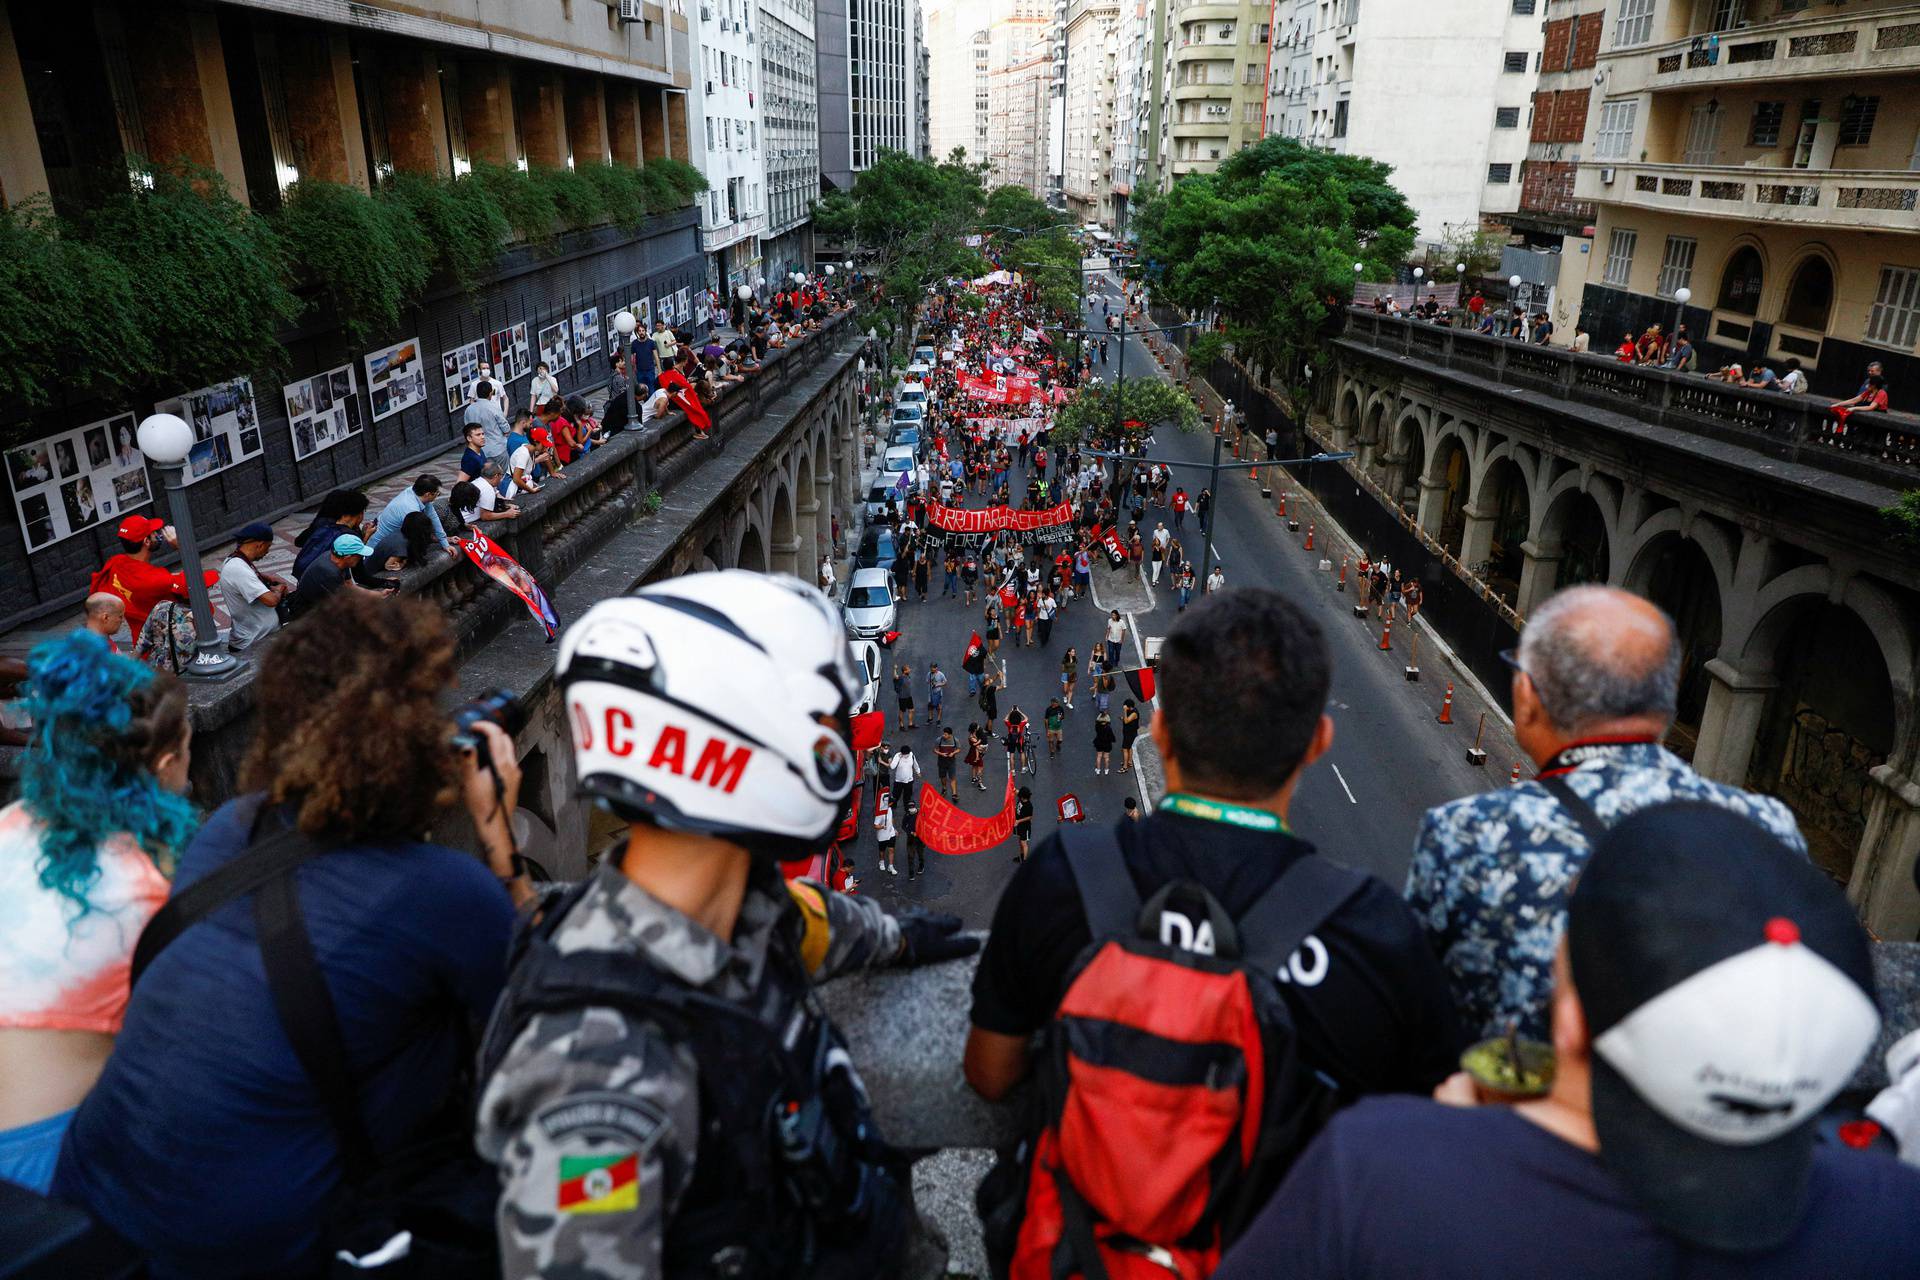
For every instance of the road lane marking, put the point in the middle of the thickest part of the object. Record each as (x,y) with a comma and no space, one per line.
(1343,784)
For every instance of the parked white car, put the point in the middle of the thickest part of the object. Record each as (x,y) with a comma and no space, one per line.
(870,611)
(867,654)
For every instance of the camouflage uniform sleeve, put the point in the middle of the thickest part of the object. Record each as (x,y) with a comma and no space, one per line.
(841,933)
(592,1120)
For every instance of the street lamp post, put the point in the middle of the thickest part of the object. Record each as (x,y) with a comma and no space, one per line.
(1681,297)
(1213,470)
(166,441)
(624,324)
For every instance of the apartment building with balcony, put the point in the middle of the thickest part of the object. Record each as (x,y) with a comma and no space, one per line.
(1018,98)
(1139,100)
(957,42)
(1439,89)
(789,134)
(1765,157)
(1216,62)
(1555,123)
(726,141)
(1092,83)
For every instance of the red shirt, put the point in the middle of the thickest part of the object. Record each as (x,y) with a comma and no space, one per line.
(141,585)
(1476,304)
(1180,500)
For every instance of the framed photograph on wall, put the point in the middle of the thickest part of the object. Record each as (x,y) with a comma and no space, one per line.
(556,347)
(396,378)
(226,426)
(586,333)
(106,479)
(317,416)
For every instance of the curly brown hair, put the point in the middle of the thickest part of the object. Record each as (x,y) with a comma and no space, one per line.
(351,730)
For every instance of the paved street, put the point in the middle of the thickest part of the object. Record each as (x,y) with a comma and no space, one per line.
(1361,804)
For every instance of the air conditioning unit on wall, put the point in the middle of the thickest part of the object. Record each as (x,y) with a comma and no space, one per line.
(1606,176)
(630,10)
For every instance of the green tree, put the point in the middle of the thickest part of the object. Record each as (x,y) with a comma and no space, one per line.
(909,220)
(366,253)
(1272,237)
(1136,405)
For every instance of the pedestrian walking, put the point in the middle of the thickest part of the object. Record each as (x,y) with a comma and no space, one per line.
(952,584)
(1069,674)
(946,762)
(1023,821)
(1129,730)
(922,575)
(1216,580)
(1043,615)
(1411,597)
(1183,584)
(1203,507)
(1019,740)
(991,632)
(1054,719)
(884,834)
(1162,543)
(905,771)
(1116,635)
(916,848)
(1179,508)
(936,693)
(970,575)
(990,696)
(1102,743)
(903,691)
(976,755)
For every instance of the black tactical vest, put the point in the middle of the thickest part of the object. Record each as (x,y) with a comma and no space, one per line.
(791,1177)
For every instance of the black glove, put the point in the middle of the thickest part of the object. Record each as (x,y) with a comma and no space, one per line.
(929,939)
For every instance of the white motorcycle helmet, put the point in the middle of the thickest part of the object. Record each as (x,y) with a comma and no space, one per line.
(716,703)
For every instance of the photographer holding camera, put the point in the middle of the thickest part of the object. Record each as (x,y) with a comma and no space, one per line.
(289,1082)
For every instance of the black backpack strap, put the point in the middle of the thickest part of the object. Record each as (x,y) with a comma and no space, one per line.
(1296,904)
(266,859)
(1578,809)
(1100,873)
(307,1016)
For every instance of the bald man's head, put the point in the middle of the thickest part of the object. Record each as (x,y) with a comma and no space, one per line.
(1596,654)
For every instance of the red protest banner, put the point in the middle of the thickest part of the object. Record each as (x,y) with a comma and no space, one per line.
(488,557)
(947,828)
(997,519)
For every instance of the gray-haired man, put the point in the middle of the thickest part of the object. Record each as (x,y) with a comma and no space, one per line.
(1595,681)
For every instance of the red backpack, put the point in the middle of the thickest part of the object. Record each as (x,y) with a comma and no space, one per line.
(1169,1090)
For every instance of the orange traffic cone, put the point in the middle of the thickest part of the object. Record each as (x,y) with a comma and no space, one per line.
(1446,705)
(1282,513)
(1386,634)
(1309,545)
(1253,474)
(1516,774)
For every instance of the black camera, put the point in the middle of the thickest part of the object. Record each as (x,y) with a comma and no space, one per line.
(495,706)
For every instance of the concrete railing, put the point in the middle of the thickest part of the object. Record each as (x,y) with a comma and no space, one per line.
(1881,447)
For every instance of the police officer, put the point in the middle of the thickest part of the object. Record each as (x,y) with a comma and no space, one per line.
(661,1091)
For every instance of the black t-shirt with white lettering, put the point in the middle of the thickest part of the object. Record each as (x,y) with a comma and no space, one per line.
(1368,996)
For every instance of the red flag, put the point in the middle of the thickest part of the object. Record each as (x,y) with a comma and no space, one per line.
(976,660)
(867,730)
(681,393)
(490,559)
(1141,681)
(947,828)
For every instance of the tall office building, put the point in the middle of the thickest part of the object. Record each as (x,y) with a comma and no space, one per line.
(958,45)
(790,133)
(1435,88)
(1018,97)
(726,141)
(1092,76)
(869,84)
(974,48)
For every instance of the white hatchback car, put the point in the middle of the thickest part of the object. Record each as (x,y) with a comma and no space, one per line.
(866,654)
(871,610)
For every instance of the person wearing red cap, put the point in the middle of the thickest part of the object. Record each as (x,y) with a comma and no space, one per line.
(132,575)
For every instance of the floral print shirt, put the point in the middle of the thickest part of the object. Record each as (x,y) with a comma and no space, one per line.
(1491,874)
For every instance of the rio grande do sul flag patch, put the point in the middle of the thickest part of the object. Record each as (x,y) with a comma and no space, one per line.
(607,1183)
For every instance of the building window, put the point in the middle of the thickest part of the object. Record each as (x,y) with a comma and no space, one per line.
(1515,62)
(1895,318)
(1676,265)
(1765,129)
(1634,25)
(1506,118)
(1615,134)
(1499,174)
(1340,118)
(1620,257)
(1523,7)
(1856,120)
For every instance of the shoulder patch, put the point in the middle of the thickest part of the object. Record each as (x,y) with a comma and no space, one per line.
(816,932)
(636,1120)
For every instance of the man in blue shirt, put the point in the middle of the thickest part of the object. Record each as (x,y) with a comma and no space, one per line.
(646,365)
(485,413)
(388,540)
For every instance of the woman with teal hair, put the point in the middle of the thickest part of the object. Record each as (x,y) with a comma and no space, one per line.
(83,860)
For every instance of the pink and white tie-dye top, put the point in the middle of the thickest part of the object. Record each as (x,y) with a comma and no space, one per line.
(61,970)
